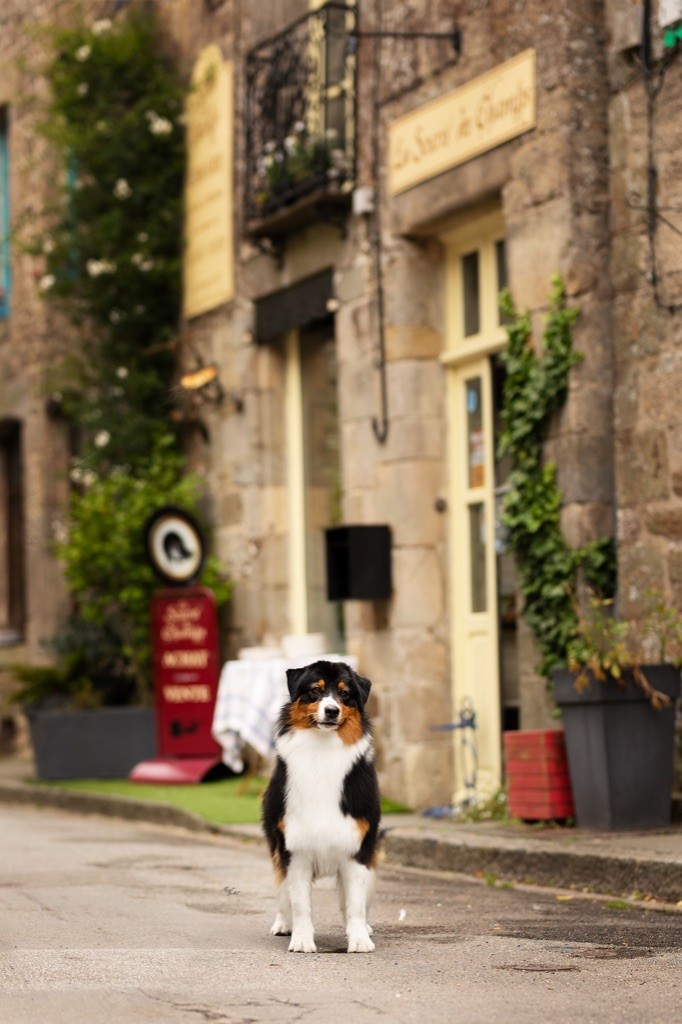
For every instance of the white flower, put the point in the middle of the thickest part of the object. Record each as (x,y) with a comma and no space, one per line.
(143,237)
(299,127)
(161,126)
(139,310)
(122,189)
(83,52)
(122,372)
(46,282)
(269,147)
(115,316)
(89,477)
(76,474)
(100,27)
(102,438)
(82,89)
(331,134)
(59,531)
(48,245)
(97,267)
(290,143)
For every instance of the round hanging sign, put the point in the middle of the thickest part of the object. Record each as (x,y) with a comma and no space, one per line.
(175,546)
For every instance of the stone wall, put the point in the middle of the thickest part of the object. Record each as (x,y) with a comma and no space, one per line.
(33,335)
(647,323)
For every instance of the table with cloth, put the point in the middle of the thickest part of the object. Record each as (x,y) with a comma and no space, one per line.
(251,693)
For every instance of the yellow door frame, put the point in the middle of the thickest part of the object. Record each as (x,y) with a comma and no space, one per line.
(475,674)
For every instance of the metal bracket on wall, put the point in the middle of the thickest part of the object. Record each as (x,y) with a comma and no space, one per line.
(653,74)
(380,423)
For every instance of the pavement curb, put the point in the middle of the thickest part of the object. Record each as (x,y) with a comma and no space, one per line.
(606,874)
(124,807)
(510,859)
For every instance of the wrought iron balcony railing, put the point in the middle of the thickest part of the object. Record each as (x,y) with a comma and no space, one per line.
(300,138)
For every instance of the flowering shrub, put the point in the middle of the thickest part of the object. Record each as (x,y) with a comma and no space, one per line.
(113,248)
(113,263)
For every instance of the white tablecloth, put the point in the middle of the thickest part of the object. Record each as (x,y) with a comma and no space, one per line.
(250,696)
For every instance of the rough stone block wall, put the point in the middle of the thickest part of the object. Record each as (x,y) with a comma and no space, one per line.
(33,336)
(647,332)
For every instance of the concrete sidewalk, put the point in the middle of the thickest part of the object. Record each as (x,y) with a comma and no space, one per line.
(639,865)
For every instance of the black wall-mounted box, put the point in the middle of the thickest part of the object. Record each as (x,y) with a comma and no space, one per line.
(358,563)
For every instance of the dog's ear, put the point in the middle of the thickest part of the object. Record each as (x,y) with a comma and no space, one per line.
(294,676)
(364,686)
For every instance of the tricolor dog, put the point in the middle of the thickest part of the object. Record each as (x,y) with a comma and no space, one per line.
(321,807)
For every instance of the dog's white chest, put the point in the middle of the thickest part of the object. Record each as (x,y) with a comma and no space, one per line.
(317,765)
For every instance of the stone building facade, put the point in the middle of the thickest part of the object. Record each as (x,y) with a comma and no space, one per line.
(359,356)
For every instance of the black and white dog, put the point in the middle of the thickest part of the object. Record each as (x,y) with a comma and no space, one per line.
(321,808)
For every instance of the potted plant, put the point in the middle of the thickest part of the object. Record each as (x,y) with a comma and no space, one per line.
(78,708)
(617,700)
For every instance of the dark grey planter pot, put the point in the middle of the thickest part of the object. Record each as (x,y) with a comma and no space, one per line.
(620,749)
(104,743)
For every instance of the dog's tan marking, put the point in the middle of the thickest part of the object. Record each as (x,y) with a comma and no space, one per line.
(350,729)
(342,688)
(280,873)
(280,825)
(363,827)
(301,716)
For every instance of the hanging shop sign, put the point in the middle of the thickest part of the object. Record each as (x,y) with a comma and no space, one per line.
(175,546)
(473,119)
(208,266)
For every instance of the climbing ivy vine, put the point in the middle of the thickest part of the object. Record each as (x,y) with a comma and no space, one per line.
(535,389)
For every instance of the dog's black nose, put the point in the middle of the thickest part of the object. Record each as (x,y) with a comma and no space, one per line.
(331,712)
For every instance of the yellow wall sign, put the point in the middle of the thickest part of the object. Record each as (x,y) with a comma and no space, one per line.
(208,269)
(471,120)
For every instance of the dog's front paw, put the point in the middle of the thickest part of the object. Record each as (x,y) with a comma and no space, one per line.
(359,940)
(281,926)
(302,942)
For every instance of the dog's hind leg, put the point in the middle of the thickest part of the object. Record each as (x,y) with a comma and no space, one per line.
(282,925)
(357,885)
(300,886)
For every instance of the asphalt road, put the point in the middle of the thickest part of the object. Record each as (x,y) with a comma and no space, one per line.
(124,923)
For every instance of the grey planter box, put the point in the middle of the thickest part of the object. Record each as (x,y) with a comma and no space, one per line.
(620,749)
(104,743)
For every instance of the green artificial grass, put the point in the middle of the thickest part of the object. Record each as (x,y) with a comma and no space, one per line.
(226,802)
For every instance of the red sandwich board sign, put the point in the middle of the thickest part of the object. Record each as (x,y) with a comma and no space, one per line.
(185,661)
(184,639)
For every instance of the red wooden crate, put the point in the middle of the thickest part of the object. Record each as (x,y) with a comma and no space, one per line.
(539,787)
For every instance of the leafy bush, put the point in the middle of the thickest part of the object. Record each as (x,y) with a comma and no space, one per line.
(106,571)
